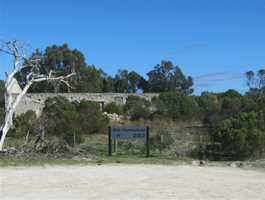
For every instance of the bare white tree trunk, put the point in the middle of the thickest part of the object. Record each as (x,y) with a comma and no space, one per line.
(11,102)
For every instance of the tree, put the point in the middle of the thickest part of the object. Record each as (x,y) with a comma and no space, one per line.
(134,82)
(32,73)
(250,75)
(62,59)
(255,80)
(121,81)
(89,79)
(127,82)
(166,77)
(261,78)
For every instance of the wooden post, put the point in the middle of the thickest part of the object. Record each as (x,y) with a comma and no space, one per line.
(115,145)
(74,138)
(110,142)
(147,142)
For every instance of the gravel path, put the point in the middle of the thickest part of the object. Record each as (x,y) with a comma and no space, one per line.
(130,182)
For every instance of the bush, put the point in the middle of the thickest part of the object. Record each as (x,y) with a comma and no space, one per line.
(91,119)
(72,120)
(113,108)
(137,108)
(208,103)
(24,123)
(241,136)
(176,105)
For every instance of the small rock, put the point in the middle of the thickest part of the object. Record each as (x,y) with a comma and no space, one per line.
(202,163)
(234,165)
(195,163)
(240,164)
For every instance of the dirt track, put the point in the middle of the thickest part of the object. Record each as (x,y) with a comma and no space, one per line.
(130,182)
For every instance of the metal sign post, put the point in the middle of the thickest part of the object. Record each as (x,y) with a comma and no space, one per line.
(147,141)
(110,142)
(119,132)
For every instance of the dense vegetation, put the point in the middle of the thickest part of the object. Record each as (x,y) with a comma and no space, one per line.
(62,60)
(234,122)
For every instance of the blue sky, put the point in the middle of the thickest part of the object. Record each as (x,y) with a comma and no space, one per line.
(213,41)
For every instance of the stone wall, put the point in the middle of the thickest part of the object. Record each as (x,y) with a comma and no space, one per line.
(35,101)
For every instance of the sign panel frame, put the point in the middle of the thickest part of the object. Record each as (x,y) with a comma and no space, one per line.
(128,132)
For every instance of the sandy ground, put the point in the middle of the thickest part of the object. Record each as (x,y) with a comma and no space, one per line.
(130,182)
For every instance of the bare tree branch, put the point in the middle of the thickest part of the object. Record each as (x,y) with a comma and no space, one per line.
(34,75)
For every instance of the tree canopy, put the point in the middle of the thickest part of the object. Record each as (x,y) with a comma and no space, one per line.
(61,59)
(166,77)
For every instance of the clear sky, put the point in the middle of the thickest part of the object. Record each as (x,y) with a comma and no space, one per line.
(214,41)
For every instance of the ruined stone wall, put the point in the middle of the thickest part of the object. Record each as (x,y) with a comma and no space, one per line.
(35,101)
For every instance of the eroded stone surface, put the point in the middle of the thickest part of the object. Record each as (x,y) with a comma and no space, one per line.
(35,101)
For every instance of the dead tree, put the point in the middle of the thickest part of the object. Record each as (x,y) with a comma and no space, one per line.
(33,75)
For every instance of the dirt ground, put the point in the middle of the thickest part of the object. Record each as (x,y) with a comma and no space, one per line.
(130,182)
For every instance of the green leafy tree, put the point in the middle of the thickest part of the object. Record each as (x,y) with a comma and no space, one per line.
(127,82)
(121,81)
(166,77)
(89,79)
(61,60)
(134,82)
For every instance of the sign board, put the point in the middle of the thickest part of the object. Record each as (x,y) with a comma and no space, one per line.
(128,132)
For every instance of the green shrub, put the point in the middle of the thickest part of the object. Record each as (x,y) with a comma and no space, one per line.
(241,136)
(208,103)
(176,105)
(72,120)
(91,119)
(113,108)
(137,108)
(24,123)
